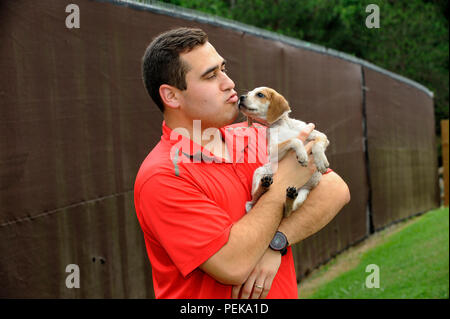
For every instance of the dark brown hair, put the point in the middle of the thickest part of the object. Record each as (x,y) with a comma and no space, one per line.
(161,63)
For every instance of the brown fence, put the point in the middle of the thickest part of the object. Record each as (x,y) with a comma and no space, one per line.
(76,122)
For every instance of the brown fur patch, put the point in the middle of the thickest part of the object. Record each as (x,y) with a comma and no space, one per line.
(278,105)
(320,139)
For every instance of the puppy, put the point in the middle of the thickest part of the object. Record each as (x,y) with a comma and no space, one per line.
(266,106)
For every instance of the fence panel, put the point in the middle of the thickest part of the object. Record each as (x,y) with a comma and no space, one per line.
(401,148)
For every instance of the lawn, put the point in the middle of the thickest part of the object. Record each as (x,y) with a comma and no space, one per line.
(412,263)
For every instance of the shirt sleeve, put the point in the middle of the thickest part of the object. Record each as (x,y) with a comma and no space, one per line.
(186,223)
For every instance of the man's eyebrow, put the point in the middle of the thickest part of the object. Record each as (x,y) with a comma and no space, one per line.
(213,68)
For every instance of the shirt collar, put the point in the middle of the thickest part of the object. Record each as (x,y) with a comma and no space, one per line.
(191,150)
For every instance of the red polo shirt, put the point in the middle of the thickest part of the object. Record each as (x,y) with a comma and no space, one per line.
(187,200)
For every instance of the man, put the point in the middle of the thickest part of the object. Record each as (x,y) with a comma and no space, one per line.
(191,204)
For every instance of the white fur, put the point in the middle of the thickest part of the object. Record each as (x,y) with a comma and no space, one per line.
(284,129)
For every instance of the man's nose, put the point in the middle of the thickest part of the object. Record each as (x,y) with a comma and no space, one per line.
(228,83)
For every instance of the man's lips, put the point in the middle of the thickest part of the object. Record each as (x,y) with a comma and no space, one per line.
(233,98)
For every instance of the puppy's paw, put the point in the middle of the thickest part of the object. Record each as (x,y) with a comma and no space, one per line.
(291,192)
(266,180)
(322,164)
(303,163)
(302,158)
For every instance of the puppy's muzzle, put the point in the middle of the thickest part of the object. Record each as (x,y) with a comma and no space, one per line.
(241,104)
(241,101)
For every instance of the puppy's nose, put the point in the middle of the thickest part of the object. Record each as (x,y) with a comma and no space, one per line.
(242,98)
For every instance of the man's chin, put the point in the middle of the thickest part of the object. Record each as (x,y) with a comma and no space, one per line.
(234,116)
(229,119)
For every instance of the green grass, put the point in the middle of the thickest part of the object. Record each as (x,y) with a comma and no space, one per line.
(413,263)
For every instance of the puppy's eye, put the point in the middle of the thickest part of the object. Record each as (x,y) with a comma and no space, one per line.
(259,94)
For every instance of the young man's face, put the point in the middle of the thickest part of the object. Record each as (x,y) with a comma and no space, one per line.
(210,95)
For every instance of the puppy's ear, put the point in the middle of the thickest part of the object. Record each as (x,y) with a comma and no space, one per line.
(278,105)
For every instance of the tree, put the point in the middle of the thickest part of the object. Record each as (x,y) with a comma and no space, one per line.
(412,39)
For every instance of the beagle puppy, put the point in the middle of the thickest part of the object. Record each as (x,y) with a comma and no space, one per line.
(268,107)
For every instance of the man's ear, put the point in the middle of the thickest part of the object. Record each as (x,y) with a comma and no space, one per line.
(278,106)
(169,96)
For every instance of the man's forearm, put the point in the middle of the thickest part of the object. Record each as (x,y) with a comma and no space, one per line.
(248,240)
(255,230)
(321,206)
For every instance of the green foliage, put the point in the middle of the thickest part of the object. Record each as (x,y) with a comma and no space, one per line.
(413,263)
(412,39)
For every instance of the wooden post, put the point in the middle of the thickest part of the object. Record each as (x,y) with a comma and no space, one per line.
(444,139)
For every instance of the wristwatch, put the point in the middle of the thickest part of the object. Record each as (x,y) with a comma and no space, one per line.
(279,243)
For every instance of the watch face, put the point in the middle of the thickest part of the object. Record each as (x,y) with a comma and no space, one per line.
(278,242)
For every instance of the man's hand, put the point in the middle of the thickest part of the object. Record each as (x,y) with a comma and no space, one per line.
(261,276)
(289,171)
